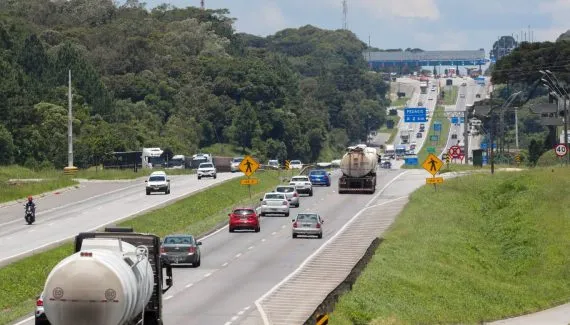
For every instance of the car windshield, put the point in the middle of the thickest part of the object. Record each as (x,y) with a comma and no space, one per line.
(237,160)
(273,162)
(206,166)
(299,179)
(244,211)
(285,189)
(156,179)
(274,196)
(296,162)
(318,172)
(179,240)
(307,217)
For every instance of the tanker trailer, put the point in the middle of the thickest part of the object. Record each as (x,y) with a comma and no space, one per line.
(358,166)
(113,278)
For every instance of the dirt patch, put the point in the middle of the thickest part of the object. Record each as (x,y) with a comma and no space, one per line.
(327,306)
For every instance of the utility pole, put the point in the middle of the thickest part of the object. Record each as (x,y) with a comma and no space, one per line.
(70,169)
(344,14)
(202,5)
(466,135)
(517,127)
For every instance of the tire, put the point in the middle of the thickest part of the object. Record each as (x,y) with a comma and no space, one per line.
(329,185)
(231,229)
(258,229)
(311,193)
(287,214)
(294,235)
(198,263)
(167,191)
(319,236)
(215,176)
(298,204)
(261,214)
(147,192)
(199,177)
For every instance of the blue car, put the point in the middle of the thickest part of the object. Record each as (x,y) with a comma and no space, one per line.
(319,177)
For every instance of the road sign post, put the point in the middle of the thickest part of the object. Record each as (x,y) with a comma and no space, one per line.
(561,150)
(415,115)
(432,165)
(248,166)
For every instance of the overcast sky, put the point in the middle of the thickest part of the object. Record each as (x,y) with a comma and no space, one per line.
(427,24)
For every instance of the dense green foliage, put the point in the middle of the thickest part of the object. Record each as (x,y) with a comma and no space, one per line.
(175,78)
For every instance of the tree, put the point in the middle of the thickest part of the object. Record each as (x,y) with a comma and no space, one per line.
(6,146)
(535,150)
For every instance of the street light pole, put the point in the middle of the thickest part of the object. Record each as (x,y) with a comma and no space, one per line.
(562,93)
(517,127)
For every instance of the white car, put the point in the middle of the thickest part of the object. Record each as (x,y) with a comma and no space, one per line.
(274,203)
(158,182)
(302,184)
(295,164)
(206,170)
(234,166)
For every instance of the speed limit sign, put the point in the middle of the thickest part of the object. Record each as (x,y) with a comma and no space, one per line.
(561,150)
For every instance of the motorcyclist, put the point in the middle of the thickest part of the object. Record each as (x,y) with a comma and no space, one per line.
(31,205)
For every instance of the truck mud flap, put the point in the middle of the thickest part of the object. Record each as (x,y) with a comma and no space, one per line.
(357,185)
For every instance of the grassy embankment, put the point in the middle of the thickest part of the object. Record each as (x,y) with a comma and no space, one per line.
(17,182)
(451,96)
(393,131)
(481,248)
(400,102)
(22,281)
(438,115)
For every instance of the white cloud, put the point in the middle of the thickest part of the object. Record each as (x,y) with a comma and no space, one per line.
(263,20)
(426,9)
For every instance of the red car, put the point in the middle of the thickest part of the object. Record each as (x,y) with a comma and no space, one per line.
(244,218)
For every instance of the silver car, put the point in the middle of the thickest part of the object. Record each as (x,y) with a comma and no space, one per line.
(40,316)
(307,224)
(206,170)
(274,203)
(290,192)
(234,166)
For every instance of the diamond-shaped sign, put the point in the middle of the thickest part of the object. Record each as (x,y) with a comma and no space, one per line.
(248,165)
(432,164)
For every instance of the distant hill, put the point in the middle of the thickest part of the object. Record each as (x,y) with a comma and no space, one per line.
(564,36)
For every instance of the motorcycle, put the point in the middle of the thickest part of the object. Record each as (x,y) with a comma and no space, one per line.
(30,216)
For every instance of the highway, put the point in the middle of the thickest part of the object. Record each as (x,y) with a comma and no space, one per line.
(239,268)
(93,205)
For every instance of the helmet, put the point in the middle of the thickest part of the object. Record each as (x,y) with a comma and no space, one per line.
(30,198)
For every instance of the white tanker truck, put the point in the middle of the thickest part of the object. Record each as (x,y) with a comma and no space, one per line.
(358,166)
(114,278)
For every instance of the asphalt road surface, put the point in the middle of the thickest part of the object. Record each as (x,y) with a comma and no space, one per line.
(94,204)
(238,268)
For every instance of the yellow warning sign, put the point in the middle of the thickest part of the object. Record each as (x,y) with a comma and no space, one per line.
(434,180)
(432,164)
(249,181)
(248,165)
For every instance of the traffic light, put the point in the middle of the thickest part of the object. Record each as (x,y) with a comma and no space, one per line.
(287,165)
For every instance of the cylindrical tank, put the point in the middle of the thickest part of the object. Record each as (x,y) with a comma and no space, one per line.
(359,161)
(98,286)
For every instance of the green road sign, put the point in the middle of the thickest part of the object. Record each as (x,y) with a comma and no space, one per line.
(431,149)
(434,138)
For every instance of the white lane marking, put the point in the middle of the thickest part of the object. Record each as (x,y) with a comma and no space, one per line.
(225,264)
(241,312)
(189,285)
(228,323)
(31,230)
(250,247)
(238,255)
(234,318)
(246,308)
(75,202)
(22,322)
(263,239)
(207,274)
(50,224)
(283,226)
(273,233)
(174,199)
(323,246)
(168,297)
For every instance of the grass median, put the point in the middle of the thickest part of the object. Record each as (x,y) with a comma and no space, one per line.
(451,96)
(22,281)
(481,248)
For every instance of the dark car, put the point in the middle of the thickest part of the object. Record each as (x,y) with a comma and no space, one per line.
(181,249)
(418,135)
(386,164)
(244,218)
(319,177)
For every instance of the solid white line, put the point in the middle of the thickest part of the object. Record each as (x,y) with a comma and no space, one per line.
(238,255)
(241,312)
(273,233)
(323,246)
(250,247)
(207,274)
(189,285)
(263,239)
(123,218)
(234,318)
(73,203)
(225,264)
(246,308)
(25,320)
(228,323)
